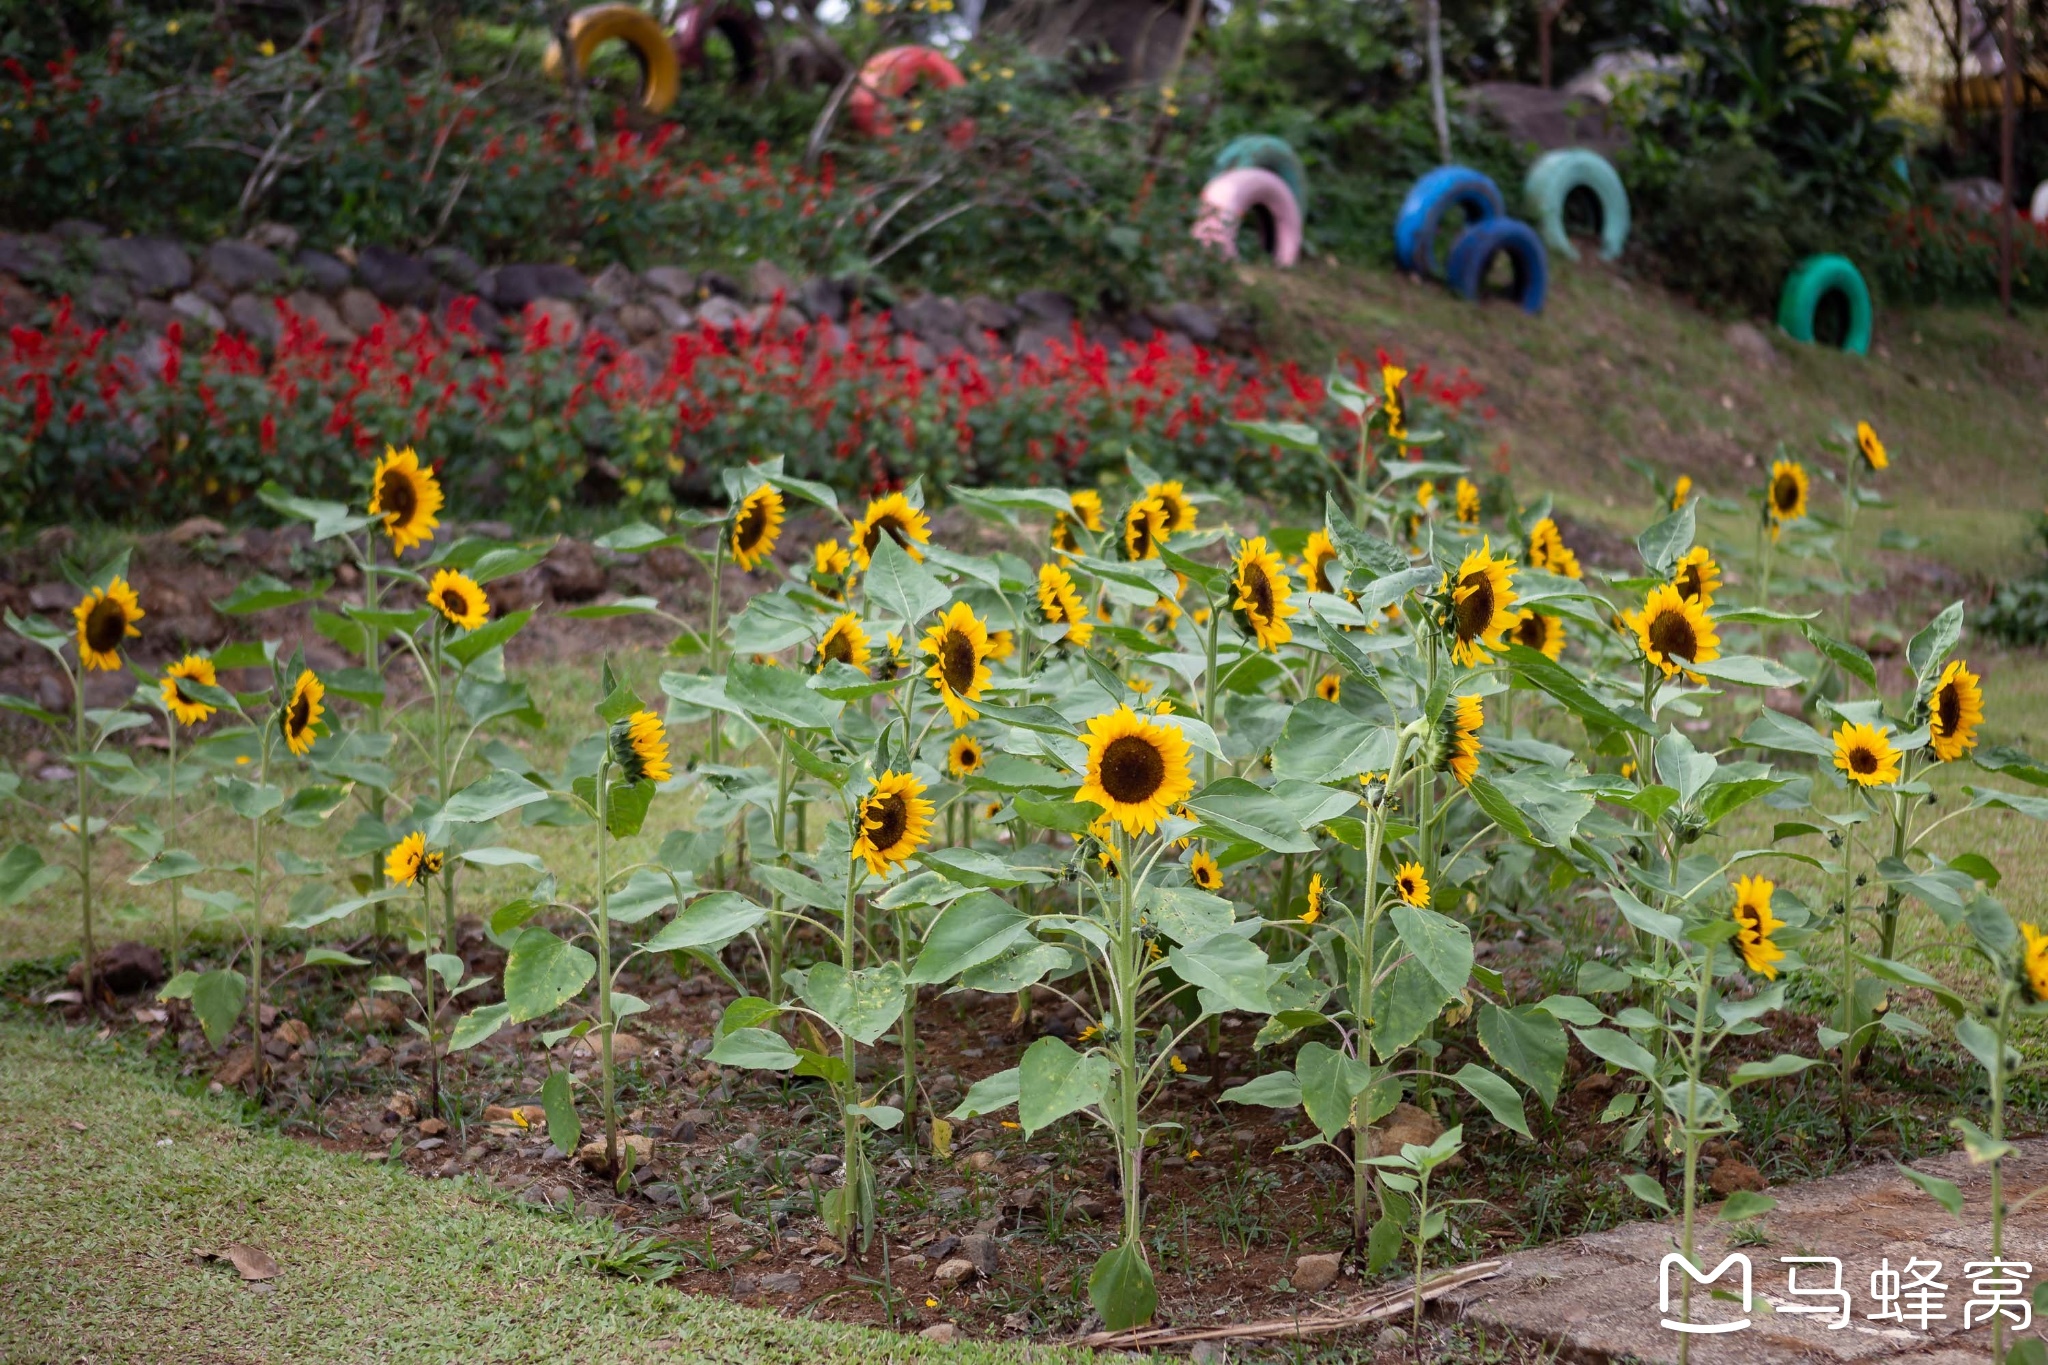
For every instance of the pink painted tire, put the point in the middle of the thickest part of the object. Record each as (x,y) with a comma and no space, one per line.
(1250,191)
(892,75)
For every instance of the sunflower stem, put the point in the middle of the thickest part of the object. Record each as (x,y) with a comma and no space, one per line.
(373,663)
(855,1195)
(604,975)
(84,825)
(170,830)
(256,926)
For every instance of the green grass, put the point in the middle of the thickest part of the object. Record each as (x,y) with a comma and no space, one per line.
(112,1183)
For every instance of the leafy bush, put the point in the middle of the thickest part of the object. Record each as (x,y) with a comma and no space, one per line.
(2018,614)
(1933,252)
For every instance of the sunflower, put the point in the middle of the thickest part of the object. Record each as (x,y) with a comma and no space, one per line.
(1088,505)
(1865,755)
(1316,558)
(458,597)
(1425,496)
(958,644)
(1954,711)
(1060,603)
(1482,599)
(891,662)
(1468,502)
(1872,449)
(640,748)
(409,863)
(844,641)
(2034,964)
(1180,513)
(830,562)
(1144,528)
(1137,769)
(1203,872)
(1671,626)
(894,820)
(1681,491)
(893,515)
(1547,550)
(192,668)
(993,808)
(1461,744)
(1544,634)
(407,497)
(755,525)
(1001,644)
(963,756)
(302,713)
(1787,496)
(1330,687)
(1313,911)
(1697,577)
(1262,592)
(1412,884)
(1755,925)
(1390,385)
(1087,514)
(106,616)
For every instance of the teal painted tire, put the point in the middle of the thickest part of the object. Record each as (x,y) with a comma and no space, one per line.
(1827,303)
(1267,153)
(1552,181)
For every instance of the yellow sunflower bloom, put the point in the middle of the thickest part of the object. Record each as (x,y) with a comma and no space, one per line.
(845,642)
(1865,755)
(1482,604)
(1544,634)
(1262,593)
(1425,496)
(1390,386)
(1088,506)
(1755,926)
(1180,513)
(1330,687)
(1060,603)
(1671,627)
(640,748)
(106,617)
(1461,738)
(2034,964)
(1137,769)
(1696,576)
(192,668)
(1548,551)
(829,559)
(1316,558)
(894,820)
(1871,449)
(407,496)
(1412,884)
(1787,492)
(1001,644)
(409,863)
(958,644)
(894,517)
(755,526)
(1681,492)
(1468,502)
(1313,911)
(1954,711)
(1144,528)
(301,715)
(1203,872)
(963,756)
(458,597)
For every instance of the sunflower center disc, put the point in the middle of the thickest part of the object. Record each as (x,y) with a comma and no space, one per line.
(1132,769)
(957,661)
(753,521)
(1948,711)
(298,717)
(1475,612)
(1863,761)
(839,645)
(105,625)
(396,498)
(1785,493)
(1531,632)
(1671,635)
(886,817)
(1260,589)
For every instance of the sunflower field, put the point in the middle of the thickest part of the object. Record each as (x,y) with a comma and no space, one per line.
(1199,789)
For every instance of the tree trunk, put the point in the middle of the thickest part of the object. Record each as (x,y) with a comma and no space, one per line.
(1433,27)
(2008,98)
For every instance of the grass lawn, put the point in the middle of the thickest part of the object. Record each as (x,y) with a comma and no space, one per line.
(112,1183)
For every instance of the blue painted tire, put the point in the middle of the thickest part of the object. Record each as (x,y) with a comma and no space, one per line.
(1473,254)
(1434,195)
(1267,153)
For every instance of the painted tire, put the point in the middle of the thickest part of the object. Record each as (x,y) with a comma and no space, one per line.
(590,29)
(1429,199)
(1551,181)
(1821,289)
(1473,254)
(741,28)
(2038,210)
(1232,196)
(890,75)
(1268,153)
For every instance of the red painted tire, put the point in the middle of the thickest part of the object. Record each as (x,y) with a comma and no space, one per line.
(741,28)
(892,74)
(1250,191)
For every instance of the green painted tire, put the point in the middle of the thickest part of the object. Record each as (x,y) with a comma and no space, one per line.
(1827,303)
(1550,183)
(1267,153)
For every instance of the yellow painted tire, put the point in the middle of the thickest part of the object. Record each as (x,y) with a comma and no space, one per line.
(590,29)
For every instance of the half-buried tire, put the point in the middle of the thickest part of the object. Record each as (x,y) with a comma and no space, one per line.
(1430,200)
(1268,153)
(1561,179)
(592,28)
(1260,196)
(1827,303)
(1479,246)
